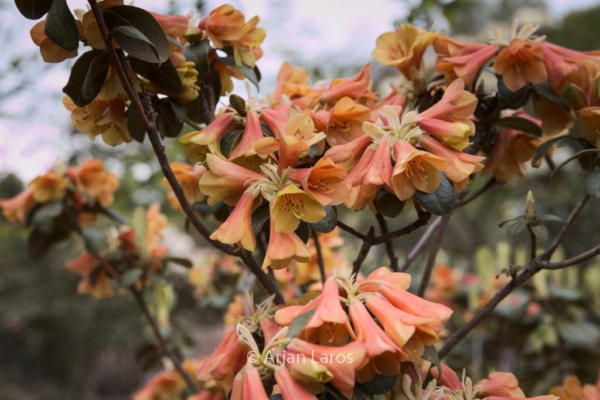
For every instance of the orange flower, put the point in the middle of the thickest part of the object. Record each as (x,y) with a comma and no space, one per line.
(345,121)
(573,390)
(165,384)
(454,132)
(511,150)
(415,169)
(456,103)
(590,124)
(354,87)
(404,49)
(16,209)
(252,37)
(324,181)
(224,24)
(460,165)
(292,205)
(291,82)
(284,248)
(92,179)
(94,279)
(173,25)
(50,51)
(198,143)
(289,387)
(237,229)
(329,324)
(188,177)
(50,186)
(252,386)
(252,133)
(519,63)
(458,59)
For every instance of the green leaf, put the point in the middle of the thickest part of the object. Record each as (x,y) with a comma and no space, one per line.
(513,99)
(388,204)
(184,262)
(198,53)
(151,45)
(582,153)
(136,128)
(541,232)
(431,355)
(131,276)
(96,76)
(544,147)
(169,120)
(95,240)
(248,72)
(549,218)
(299,324)
(513,228)
(79,73)
(259,217)
(228,141)
(33,9)
(39,243)
(164,75)
(381,384)
(61,27)
(520,124)
(139,224)
(328,223)
(135,43)
(592,184)
(439,202)
(45,217)
(519,218)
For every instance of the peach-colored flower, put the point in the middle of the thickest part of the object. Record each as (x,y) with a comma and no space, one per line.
(92,179)
(50,51)
(252,386)
(16,209)
(252,133)
(290,388)
(590,124)
(292,205)
(94,279)
(460,165)
(252,38)
(237,229)
(173,25)
(198,143)
(291,82)
(511,150)
(329,324)
(354,87)
(284,248)
(404,49)
(456,103)
(50,186)
(521,62)
(324,181)
(224,24)
(573,390)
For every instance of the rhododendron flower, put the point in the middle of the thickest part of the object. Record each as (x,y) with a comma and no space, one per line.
(188,177)
(252,133)
(292,205)
(454,132)
(324,181)
(329,324)
(354,87)
(50,186)
(345,121)
(252,386)
(92,179)
(458,59)
(16,209)
(342,362)
(173,25)
(573,390)
(290,388)
(404,49)
(237,229)
(291,82)
(94,279)
(198,143)
(284,248)
(460,165)
(224,24)
(252,37)
(50,51)
(590,124)
(456,103)
(520,63)
(511,150)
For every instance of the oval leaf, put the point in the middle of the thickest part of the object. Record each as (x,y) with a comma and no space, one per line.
(513,99)
(130,277)
(299,324)
(96,76)
(33,9)
(388,204)
(79,72)
(198,53)
(164,75)
(61,27)
(248,72)
(328,223)
(439,202)
(150,45)
(520,124)
(582,153)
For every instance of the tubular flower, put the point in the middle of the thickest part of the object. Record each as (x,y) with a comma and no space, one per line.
(198,143)
(50,51)
(224,24)
(329,324)
(252,133)
(324,181)
(252,37)
(188,177)
(353,88)
(17,208)
(291,82)
(460,165)
(284,248)
(290,388)
(590,124)
(573,390)
(345,121)
(458,59)
(404,49)
(456,103)
(252,387)
(94,279)
(50,186)
(291,205)
(237,229)
(92,179)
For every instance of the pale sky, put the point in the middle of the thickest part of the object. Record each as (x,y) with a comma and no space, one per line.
(340,32)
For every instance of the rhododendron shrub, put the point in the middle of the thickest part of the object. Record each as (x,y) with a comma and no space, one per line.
(278,174)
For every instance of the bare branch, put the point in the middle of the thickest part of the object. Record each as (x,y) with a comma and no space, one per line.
(435,248)
(414,253)
(389,246)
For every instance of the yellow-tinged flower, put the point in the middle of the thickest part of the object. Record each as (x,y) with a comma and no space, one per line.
(404,49)
(291,205)
(454,132)
(92,179)
(345,121)
(16,209)
(224,24)
(94,279)
(519,63)
(237,229)
(252,37)
(291,82)
(324,181)
(198,143)
(188,177)
(50,186)
(573,390)
(590,124)
(50,51)
(284,248)
(415,170)
(354,87)
(460,165)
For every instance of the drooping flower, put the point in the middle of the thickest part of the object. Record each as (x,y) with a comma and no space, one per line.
(324,181)
(460,165)
(353,88)
(50,186)
(292,205)
(188,177)
(290,388)
(92,179)
(284,248)
(198,143)
(94,279)
(224,24)
(237,229)
(252,37)
(16,209)
(50,51)
(519,63)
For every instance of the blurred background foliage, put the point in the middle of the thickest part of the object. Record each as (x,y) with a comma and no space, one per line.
(56,344)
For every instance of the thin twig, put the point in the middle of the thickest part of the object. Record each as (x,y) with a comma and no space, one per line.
(143,107)
(414,253)
(363,252)
(389,245)
(319,251)
(352,231)
(433,252)
(419,222)
(488,185)
(572,261)
(193,124)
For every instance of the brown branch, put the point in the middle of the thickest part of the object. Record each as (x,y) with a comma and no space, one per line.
(319,251)
(572,261)
(421,221)
(352,231)
(363,252)
(433,252)
(143,107)
(193,124)
(389,246)
(414,253)
(488,185)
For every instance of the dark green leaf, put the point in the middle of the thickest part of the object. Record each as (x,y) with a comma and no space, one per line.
(388,204)
(380,384)
(546,90)
(134,125)
(145,23)
(131,276)
(169,120)
(541,232)
(135,43)
(184,262)
(513,99)
(228,141)
(592,184)
(164,75)
(38,243)
(205,209)
(248,72)
(299,323)
(513,228)
(431,355)
(96,76)
(520,124)
(302,231)
(95,240)
(328,223)
(549,218)
(238,104)
(519,218)
(33,9)
(79,72)
(61,27)
(582,153)
(544,147)
(259,217)
(441,201)
(198,53)
(45,216)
